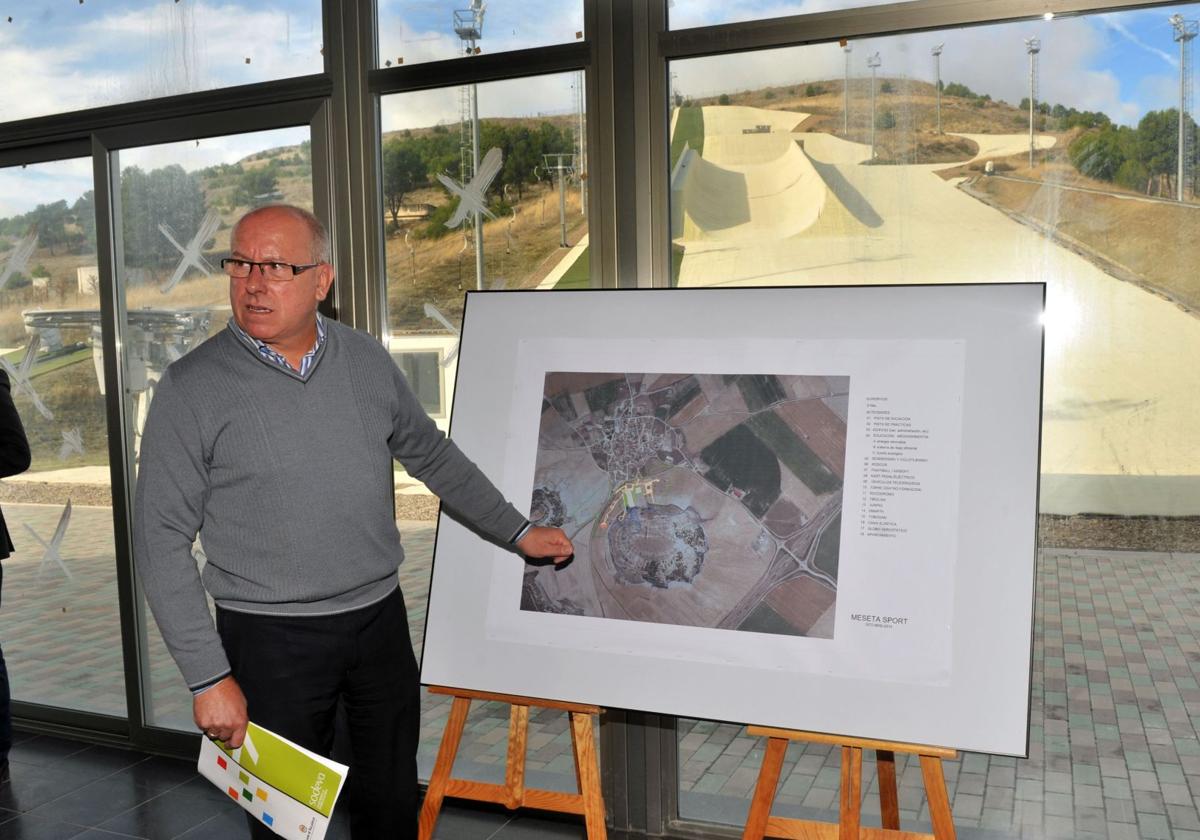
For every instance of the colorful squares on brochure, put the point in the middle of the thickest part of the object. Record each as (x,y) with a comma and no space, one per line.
(244,778)
(267,819)
(261,794)
(249,796)
(232,793)
(224,765)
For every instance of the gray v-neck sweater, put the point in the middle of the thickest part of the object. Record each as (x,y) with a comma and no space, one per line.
(288,481)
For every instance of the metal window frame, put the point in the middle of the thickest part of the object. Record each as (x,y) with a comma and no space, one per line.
(102,136)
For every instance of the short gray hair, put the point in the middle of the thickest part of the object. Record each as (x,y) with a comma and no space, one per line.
(318,233)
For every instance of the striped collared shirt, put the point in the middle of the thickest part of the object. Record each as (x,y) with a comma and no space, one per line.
(279,359)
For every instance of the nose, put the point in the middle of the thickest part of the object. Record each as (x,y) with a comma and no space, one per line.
(256,279)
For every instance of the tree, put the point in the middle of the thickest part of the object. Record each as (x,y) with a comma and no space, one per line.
(520,160)
(1158,141)
(1098,154)
(885,120)
(256,183)
(886,87)
(723,99)
(83,212)
(50,221)
(167,196)
(403,171)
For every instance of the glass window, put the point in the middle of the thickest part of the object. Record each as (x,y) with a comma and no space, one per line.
(412,31)
(1040,150)
(59,624)
(179,202)
(423,370)
(82,55)
(514,220)
(525,171)
(683,14)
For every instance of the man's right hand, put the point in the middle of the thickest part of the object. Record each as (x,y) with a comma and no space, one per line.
(220,712)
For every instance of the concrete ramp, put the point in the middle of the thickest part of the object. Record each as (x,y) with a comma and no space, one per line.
(736,119)
(994,146)
(749,202)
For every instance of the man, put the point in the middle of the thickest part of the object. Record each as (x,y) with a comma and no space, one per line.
(273,440)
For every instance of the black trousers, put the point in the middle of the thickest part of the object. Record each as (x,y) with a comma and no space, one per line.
(296,671)
(5,701)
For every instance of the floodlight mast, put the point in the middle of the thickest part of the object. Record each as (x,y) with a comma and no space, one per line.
(846,93)
(581,141)
(1185,32)
(468,25)
(873,61)
(1033,46)
(937,84)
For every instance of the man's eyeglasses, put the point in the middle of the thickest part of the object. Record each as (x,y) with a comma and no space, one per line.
(240,269)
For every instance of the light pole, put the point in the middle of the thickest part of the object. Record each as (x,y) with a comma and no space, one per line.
(937,84)
(1033,46)
(873,61)
(846,93)
(468,25)
(560,163)
(1185,31)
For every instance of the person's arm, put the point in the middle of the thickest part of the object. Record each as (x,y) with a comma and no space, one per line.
(14,447)
(172,484)
(430,457)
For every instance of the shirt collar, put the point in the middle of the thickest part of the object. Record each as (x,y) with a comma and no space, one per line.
(272,357)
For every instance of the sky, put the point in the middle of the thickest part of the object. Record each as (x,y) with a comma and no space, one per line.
(61,55)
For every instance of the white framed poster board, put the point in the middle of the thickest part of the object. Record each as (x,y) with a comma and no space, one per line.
(811,508)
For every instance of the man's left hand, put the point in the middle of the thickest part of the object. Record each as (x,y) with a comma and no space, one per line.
(546,542)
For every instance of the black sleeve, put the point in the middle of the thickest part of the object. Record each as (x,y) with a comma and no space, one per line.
(14,448)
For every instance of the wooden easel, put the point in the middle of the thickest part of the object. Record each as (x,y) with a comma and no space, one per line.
(513,793)
(761,824)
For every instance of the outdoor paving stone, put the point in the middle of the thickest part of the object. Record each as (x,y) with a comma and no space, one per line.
(1058,782)
(1154,826)
(1120,810)
(972,783)
(1143,780)
(1088,796)
(1059,827)
(1176,794)
(1123,831)
(1029,790)
(1116,788)
(1059,804)
(1183,816)
(1149,801)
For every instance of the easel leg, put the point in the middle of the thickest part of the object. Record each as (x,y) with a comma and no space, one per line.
(518,739)
(764,791)
(436,791)
(851,812)
(584,742)
(939,802)
(889,802)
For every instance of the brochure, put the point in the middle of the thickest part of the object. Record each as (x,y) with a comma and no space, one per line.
(289,789)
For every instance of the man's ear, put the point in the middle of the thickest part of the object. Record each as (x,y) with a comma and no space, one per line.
(324,280)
